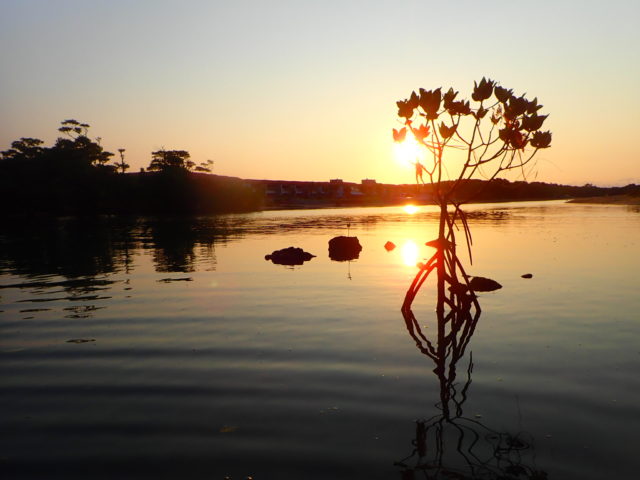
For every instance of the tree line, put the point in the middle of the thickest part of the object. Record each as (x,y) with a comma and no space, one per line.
(77,151)
(76,175)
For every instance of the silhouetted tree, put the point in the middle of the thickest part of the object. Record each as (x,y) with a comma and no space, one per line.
(122,166)
(74,129)
(79,151)
(170,160)
(24,149)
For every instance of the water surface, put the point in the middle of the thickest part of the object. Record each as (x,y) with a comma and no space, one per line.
(193,357)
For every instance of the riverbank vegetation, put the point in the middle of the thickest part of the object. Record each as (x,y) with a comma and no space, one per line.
(77,176)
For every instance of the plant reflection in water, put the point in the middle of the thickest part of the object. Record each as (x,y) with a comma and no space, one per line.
(450,445)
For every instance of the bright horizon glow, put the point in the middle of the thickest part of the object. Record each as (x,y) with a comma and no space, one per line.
(292,90)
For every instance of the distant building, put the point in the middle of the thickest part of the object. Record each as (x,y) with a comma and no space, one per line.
(370,187)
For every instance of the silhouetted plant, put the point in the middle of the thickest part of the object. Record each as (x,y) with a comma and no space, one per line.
(495,132)
(79,151)
(74,129)
(170,161)
(25,149)
(75,152)
(122,166)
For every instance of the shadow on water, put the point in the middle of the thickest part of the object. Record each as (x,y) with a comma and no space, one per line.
(449,444)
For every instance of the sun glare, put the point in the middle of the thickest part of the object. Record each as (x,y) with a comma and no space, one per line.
(411,209)
(409,253)
(407,152)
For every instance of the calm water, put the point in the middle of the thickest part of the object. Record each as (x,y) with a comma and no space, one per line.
(203,360)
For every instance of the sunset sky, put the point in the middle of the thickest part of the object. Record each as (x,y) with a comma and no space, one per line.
(306,90)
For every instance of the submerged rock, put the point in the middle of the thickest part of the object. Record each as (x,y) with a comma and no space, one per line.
(342,249)
(482,284)
(289,256)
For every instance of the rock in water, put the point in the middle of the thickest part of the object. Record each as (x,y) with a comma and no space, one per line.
(440,244)
(342,249)
(527,275)
(482,284)
(289,256)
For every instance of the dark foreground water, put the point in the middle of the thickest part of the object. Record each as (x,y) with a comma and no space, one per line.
(193,357)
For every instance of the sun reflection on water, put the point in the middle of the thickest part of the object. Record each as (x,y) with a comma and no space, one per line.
(409,252)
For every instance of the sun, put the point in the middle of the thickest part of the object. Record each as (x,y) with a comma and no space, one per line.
(407,152)
(411,209)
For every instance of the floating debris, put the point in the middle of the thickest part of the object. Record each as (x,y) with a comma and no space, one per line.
(289,256)
(81,340)
(527,275)
(389,246)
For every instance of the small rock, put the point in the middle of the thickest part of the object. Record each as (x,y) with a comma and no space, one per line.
(289,256)
(482,284)
(342,249)
(527,275)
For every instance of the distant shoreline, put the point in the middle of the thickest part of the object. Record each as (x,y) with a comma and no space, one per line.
(402,203)
(609,200)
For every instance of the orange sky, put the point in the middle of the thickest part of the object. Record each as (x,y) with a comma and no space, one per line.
(307,90)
